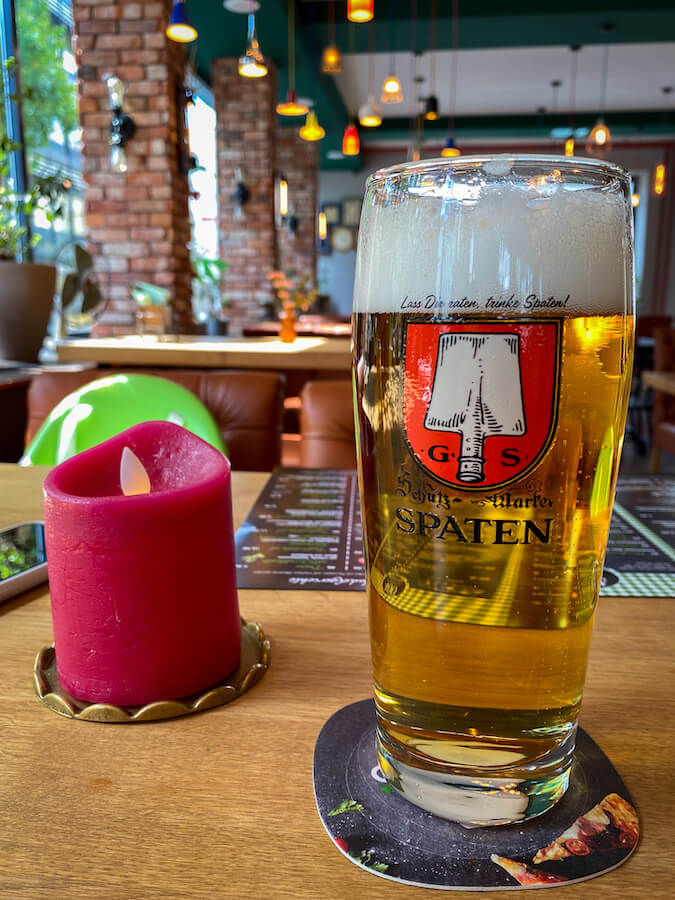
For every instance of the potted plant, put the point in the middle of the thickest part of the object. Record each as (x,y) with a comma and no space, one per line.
(26,288)
(294,294)
(208,298)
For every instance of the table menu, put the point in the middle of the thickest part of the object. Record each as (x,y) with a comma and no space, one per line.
(640,559)
(304,532)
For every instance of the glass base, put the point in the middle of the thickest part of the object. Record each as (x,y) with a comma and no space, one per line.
(469,796)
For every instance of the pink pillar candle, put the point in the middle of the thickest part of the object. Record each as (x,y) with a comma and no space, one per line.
(143,587)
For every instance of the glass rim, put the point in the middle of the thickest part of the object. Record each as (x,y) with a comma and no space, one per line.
(440,163)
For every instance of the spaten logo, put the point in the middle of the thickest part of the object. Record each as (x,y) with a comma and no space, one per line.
(480,398)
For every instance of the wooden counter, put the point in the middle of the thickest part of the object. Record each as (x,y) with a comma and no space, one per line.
(306,353)
(660,381)
(221,804)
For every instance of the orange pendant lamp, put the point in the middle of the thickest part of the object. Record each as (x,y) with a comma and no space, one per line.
(331,58)
(360,10)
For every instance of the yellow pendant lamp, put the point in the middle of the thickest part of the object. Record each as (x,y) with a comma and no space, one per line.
(311,130)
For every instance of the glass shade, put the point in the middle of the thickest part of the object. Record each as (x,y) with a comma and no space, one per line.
(291,107)
(351,145)
(391,90)
(311,130)
(360,10)
(180,29)
(331,61)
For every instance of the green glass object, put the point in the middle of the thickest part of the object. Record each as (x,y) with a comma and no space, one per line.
(109,405)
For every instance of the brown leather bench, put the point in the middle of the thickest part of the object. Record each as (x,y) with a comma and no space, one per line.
(327,425)
(247,406)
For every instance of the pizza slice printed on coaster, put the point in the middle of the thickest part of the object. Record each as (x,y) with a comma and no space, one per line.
(610,825)
(525,875)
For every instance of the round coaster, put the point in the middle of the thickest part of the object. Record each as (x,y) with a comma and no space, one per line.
(255,652)
(593,829)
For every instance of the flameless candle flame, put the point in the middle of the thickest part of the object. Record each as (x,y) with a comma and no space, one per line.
(133,477)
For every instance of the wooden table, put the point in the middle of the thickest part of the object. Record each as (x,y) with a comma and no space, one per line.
(221,804)
(660,381)
(306,353)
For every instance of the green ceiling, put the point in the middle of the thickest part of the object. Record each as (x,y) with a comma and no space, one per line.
(490,24)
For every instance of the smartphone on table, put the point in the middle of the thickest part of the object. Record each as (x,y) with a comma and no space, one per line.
(23,560)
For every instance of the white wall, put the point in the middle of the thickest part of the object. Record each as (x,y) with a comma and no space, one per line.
(336,271)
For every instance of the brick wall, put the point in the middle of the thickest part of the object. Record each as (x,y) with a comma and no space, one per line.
(249,136)
(298,160)
(245,127)
(138,222)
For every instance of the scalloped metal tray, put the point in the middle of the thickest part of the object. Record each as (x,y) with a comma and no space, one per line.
(255,653)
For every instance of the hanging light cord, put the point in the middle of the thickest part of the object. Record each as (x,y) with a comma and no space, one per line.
(432,48)
(291,45)
(453,67)
(573,85)
(371,60)
(605,67)
(413,65)
(331,23)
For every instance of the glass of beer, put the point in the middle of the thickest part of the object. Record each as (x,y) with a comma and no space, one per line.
(493,335)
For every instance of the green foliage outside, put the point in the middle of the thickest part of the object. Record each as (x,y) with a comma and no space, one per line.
(48,93)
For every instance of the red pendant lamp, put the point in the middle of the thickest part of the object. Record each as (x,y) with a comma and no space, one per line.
(351,146)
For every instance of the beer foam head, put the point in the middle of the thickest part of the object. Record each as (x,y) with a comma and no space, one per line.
(500,228)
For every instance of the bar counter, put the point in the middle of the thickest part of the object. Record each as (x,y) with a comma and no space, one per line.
(220,804)
(306,353)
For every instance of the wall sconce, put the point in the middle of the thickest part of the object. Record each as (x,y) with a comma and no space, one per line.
(122,126)
(240,195)
(281,206)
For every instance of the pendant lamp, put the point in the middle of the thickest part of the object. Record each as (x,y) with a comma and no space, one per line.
(290,106)
(569,143)
(351,145)
(331,58)
(180,29)
(600,136)
(360,10)
(391,89)
(450,149)
(370,113)
(311,130)
(431,108)
(252,63)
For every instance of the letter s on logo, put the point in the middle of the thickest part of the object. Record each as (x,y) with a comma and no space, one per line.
(439,453)
(510,456)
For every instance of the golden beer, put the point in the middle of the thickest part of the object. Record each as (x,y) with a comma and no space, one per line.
(489,438)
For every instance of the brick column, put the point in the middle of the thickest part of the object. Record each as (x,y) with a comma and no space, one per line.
(138,222)
(298,160)
(246,129)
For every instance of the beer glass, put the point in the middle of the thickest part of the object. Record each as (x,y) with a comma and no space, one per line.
(493,334)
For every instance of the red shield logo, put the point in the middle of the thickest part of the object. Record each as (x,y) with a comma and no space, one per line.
(481,398)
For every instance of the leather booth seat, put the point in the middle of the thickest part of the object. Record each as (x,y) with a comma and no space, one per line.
(247,406)
(663,415)
(327,425)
